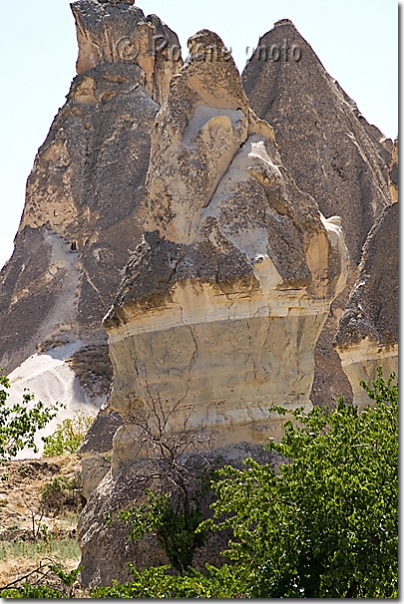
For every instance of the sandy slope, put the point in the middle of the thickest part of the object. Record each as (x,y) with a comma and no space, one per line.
(51,380)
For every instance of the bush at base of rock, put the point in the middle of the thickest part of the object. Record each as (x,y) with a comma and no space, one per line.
(68,435)
(62,494)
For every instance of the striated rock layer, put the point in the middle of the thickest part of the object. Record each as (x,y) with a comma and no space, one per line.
(223,301)
(332,153)
(81,215)
(368,331)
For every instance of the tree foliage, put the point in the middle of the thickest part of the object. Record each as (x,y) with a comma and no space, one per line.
(326,525)
(159,582)
(175,529)
(20,422)
(68,435)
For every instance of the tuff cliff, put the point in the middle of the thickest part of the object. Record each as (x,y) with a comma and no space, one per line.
(367,337)
(231,247)
(81,217)
(221,304)
(332,153)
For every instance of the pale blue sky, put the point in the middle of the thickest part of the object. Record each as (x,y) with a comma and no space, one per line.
(355,39)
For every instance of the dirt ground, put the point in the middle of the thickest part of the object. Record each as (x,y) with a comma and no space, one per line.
(40,502)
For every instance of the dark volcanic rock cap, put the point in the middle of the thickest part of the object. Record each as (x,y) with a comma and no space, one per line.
(219,201)
(372,311)
(326,144)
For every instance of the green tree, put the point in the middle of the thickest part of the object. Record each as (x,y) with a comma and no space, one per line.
(20,422)
(326,525)
(174,529)
(68,435)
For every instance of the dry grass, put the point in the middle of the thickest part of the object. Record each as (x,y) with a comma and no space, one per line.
(20,493)
(19,558)
(20,505)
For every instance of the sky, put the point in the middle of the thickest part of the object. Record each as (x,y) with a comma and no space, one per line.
(356,40)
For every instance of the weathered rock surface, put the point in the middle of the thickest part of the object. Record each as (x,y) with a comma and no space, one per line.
(368,330)
(326,144)
(332,153)
(81,215)
(393,172)
(96,450)
(106,547)
(118,32)
(221,304)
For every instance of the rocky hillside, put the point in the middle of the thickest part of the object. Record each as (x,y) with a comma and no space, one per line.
(81,215)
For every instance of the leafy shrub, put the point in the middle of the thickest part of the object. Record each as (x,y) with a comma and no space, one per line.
(31,591)
(226,582)
(175,529)
(326,526)
(19,423)
(68,436)
(62,493)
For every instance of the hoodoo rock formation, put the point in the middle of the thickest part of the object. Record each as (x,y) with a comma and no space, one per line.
(332,153)
(81,214)
(234,278)
(222,302)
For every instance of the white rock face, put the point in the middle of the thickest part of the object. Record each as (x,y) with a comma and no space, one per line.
(52,381)
(223,302)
